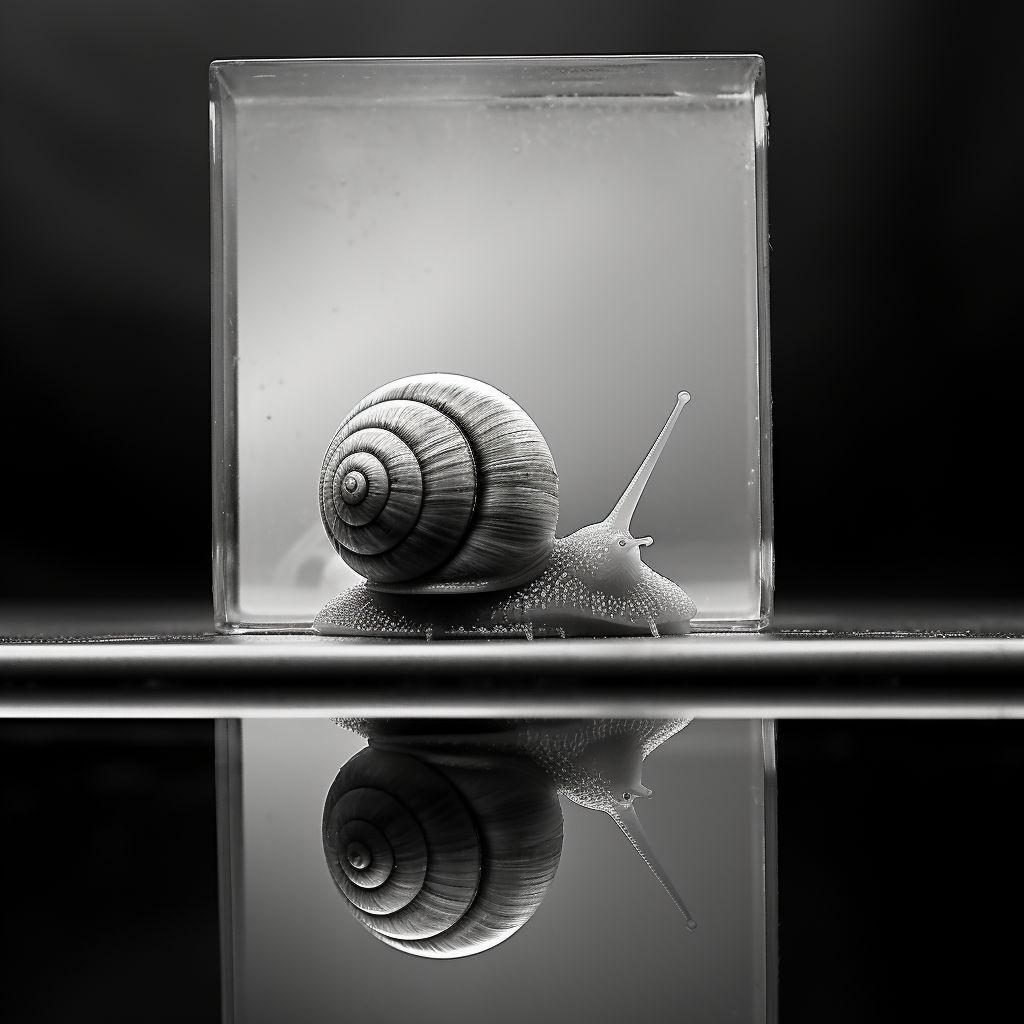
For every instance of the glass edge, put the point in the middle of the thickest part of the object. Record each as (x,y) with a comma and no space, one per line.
(751,624)
(223,64)
(771,871)
(228,764)
(220,90)
(767,546)
(222,380)
(237,624)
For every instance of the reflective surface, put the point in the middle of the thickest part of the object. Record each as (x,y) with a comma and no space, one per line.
(793,673)
(300,954)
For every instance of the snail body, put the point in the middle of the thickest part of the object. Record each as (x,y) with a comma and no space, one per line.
(441,491)
(444,843)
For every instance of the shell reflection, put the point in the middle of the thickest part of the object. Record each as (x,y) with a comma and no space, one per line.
(443,837)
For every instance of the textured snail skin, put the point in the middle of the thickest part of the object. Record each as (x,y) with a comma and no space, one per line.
(592,583)
(568,598)
(441,860)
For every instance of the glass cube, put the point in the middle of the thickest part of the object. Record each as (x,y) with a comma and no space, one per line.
(604,938)
(588,235)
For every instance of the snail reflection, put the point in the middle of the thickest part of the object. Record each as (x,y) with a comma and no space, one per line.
(442,492)
(443,838)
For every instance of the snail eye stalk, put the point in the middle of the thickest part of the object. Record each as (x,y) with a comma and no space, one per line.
(627,820)
(621,516)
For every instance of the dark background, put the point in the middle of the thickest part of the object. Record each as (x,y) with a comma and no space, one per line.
(895,226)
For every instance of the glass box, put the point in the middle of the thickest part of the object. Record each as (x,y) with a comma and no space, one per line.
(588,235)
(604,942)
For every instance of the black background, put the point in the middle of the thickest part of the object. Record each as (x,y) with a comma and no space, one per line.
(896,369)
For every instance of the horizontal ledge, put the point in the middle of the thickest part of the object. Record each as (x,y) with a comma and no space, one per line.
(812,702)
(779,674)
(336,659)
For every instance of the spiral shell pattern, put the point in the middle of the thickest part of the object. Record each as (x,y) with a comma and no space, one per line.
(440,482)
(440,861)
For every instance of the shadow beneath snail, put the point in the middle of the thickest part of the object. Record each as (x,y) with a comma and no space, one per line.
(443,494)
(443,837)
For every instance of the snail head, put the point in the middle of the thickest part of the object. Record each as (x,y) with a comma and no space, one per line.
(612,767)
(617,551)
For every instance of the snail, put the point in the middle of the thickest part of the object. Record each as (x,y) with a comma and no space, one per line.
(443,494)
(444,842)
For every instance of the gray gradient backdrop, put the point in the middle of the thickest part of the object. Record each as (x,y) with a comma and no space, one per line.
(606,944)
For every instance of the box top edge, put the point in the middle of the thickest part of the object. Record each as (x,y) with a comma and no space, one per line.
(243,62)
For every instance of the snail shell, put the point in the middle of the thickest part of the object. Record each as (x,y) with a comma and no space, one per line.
(440,482)
(441,859)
